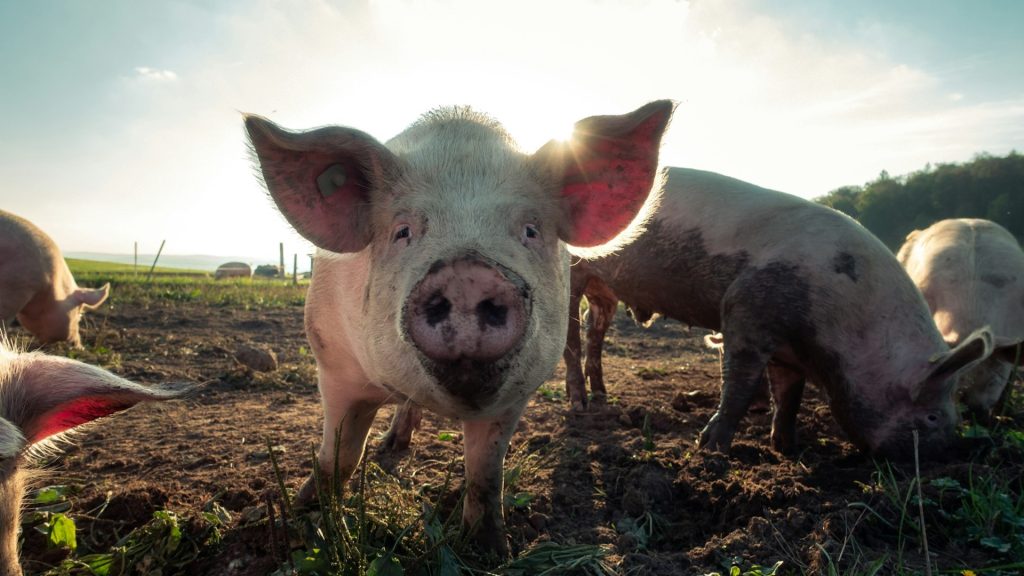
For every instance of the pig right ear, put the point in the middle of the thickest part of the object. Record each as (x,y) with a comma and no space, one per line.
(942,379)
(55,394)
(321,179)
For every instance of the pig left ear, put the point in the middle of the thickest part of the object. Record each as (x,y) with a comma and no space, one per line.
(607,170)
(92,298)
(53,395)
(944,367)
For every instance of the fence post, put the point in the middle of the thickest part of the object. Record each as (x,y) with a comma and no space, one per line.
(158,252)
(284,271)
(295,270)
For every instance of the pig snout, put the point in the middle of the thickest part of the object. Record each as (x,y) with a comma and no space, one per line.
(467,310)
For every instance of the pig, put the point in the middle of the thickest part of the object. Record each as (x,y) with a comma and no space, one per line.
(442,268)
(795,288)
(42,398)
(36,286)
(971,273)
(233,270)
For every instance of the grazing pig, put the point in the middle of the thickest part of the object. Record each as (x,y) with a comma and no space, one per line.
(971,273)
(36,285)
(42,397)
(795,288)
(442,276)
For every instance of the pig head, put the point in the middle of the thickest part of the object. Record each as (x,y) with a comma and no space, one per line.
(42,397)
(971,273)
(443,272)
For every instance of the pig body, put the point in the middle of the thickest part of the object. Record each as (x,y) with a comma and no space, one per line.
(971,273)
(442,275)
(795,288)
(42,397)
(36,286)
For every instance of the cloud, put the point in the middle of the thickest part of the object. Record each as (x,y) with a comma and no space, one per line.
(155,74)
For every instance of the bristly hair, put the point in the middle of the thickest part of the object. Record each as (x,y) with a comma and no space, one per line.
(635,228)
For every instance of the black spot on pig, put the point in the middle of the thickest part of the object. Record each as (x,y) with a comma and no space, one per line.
(845,263)
(996,280)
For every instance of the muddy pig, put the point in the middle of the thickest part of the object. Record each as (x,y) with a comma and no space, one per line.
(36,285)
(442,275)
(971,273)
(794,287)
(42,397)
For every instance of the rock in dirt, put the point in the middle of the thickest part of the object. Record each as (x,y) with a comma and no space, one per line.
(257,358)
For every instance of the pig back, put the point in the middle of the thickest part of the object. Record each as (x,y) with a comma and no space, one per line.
(971,272)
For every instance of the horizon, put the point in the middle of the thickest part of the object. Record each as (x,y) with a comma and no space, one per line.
(124,120)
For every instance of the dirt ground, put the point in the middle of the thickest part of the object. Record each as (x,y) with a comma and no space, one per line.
(598,473)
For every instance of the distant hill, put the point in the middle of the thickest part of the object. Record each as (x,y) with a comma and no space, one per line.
(189,261)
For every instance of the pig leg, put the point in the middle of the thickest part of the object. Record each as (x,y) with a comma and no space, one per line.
(406,420)
(787,387)
(575,385)
(601,311)
(486,442)
(350,409)
(742,374)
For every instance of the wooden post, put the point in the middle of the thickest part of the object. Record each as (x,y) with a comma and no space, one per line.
(135,268)
(150,276)
(311,265)
(284,271)
(295,269)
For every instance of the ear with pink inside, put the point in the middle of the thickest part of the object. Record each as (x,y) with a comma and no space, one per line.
(48,395)
(941,381)
(321,179)
(91,298)
(607,170)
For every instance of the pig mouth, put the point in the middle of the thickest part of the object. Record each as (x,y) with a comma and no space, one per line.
(475,383)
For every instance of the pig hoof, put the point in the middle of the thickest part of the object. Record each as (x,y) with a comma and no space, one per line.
(394,442)
(578,406)
(307,495)
(599,400)
(785,445)
(711,440)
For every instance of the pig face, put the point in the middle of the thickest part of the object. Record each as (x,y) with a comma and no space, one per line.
(57,321)
(930,408)
(467,277)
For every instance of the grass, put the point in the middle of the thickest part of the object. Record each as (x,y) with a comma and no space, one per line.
(187,286)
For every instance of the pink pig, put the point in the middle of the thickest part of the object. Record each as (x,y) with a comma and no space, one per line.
(36,285)
(443,274)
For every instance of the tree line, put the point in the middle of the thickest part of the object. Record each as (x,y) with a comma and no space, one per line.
(987,187)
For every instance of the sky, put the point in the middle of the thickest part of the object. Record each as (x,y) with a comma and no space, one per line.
(122,119)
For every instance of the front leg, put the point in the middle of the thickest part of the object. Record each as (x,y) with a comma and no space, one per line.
(575,383)
(347,422)
(486,443)
(602,306)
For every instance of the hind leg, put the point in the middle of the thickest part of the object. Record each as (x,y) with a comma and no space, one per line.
(601,312)
(406,421)
(742,376)
(787,387)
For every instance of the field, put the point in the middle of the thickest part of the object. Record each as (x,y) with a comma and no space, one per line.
(194,487)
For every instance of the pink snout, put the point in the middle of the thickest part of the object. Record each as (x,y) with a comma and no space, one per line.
(467,310)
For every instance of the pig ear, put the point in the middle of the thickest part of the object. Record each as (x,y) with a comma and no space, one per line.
(92,298)
(944,367)
(54,394)
(11,439)
(321,179)
(607,171)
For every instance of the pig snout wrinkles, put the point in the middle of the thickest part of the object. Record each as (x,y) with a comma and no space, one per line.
(467,310)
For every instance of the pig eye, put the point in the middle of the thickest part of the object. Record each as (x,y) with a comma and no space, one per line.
(530,232)
(403,232)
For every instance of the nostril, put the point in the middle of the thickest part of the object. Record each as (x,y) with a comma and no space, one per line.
(491,314)
(437,309)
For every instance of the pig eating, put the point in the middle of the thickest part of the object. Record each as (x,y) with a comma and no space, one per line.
(971,273)
(36,285)
(797,289)
(442,270)
(42,397)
